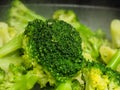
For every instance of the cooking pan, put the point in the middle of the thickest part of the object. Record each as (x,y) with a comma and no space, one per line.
(95,17)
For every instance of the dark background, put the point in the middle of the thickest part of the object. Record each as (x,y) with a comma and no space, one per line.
(104,3)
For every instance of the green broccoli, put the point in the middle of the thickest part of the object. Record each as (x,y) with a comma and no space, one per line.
(67,15)
(99,77)
(2,75)
(50,53)
(114,61)
(19,15)
(53,44)
(6,33)
(20,78)
(91,40)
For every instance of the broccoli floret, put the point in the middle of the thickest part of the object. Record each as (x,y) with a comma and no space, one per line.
(19,77)
(106,53)
(19,15)
(91,40)
(98,77)
(53,44)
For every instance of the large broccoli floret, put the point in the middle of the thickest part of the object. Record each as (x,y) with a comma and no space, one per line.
(53,44)
(57,43)
(19,15)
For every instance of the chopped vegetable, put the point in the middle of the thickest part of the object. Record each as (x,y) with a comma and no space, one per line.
(59,53)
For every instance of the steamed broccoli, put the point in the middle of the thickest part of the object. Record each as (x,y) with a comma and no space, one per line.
(53,44)
(19,78)
(98,77)
(19,15)
(50,53)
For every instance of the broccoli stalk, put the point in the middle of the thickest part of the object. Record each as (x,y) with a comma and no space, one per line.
(20,15)
(11,46)
(115,60)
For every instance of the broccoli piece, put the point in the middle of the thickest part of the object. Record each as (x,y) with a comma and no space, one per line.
(99,77)
(6,33)
(114,61)
(2,75)
(12,45)
(19,15)
(115,32)
(11,59)
(106,53)
(19,77)
(15,78)
(91,40)
(53,44)
(68,16)
(58,46)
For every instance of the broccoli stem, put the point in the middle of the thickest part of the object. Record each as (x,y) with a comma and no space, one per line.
(12,45)
(6,61)
(115,61)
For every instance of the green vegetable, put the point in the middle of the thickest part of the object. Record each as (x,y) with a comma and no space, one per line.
(49,52)
(6,33)
(12,45)
(98,77)
(106,53)
(67,15)
(2,75)
(19,15)
(115,60)
(53,44)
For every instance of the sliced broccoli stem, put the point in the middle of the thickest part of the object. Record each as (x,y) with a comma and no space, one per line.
(115,61)
(11,46)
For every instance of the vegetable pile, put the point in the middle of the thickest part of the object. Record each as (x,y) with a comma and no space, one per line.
(59,53)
